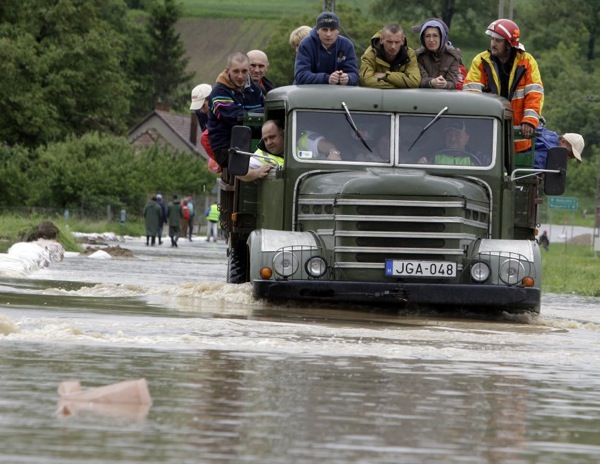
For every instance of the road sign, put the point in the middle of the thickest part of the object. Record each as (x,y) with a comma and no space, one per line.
(563,203)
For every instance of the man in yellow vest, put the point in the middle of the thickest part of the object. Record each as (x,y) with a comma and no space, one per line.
(212,219)
(269,153)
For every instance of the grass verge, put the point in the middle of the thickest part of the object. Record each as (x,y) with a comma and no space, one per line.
(572,269)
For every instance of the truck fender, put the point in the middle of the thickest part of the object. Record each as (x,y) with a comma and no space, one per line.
(263,245)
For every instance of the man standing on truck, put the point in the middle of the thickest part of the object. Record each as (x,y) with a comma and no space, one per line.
(259,65)
(389,63)
(506,69)
(234,95)
(269,151)
(326,57)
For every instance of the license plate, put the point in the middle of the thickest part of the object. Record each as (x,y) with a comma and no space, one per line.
(394,268)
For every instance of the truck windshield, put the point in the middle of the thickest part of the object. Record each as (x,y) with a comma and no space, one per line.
(450,141)
(328,136)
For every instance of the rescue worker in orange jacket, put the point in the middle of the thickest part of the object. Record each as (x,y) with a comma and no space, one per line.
(506,69)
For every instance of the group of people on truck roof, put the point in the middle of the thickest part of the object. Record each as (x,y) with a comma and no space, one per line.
(323,56)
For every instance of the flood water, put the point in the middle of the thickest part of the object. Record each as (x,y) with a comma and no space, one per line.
(238,380)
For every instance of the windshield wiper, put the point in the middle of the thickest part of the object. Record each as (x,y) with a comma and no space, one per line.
(354,128)
(437,116)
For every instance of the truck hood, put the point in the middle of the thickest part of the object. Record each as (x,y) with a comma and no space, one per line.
(385,183)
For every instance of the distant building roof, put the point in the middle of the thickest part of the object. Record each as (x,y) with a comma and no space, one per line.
(168,129)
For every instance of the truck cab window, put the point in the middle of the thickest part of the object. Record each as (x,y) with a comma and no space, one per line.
(450,141)
(329,137)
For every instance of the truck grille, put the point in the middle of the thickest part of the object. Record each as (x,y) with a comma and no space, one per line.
(363,233)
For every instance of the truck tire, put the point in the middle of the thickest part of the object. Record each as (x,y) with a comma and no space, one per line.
(237,264)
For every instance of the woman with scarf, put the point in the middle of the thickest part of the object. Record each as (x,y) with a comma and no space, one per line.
(438,61)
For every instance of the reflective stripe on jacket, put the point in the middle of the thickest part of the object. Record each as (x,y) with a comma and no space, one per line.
(271,159)
(309,142)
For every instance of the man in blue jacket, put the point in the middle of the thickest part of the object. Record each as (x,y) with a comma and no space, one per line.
(548,139)
(234,95)
(325,57)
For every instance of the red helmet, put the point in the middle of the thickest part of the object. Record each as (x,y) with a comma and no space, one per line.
(507,30)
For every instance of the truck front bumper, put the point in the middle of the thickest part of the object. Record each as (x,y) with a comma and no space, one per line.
(402,294)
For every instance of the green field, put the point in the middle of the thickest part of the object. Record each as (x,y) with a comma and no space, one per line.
(258,9)
(573,269)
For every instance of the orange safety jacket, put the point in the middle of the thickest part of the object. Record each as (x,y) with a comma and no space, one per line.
(526,91)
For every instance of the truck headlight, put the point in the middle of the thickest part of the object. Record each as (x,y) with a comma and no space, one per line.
(511,271)
(285,263)
(316,266)
(480,271)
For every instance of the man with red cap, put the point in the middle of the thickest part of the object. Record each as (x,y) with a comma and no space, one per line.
(506,69)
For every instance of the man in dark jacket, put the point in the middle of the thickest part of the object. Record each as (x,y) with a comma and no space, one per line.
(152,218)
(174,213)
(325,57)
(259,65)
(163,216)
(234,95)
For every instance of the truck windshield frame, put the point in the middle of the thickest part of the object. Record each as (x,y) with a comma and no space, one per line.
(451,142)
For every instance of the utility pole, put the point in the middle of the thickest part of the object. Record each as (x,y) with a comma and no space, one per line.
(501,9)
(329,5)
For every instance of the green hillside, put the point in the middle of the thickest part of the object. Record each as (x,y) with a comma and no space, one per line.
(208,46)
(259,9)
(212,29)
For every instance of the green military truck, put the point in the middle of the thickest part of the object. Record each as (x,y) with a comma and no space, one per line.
(410,197)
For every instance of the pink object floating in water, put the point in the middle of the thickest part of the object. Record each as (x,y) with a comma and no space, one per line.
(130,398)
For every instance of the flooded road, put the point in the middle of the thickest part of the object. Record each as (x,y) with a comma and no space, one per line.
(234,379)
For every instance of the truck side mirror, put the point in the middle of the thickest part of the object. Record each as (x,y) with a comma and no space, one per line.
(554,183)
(241,141)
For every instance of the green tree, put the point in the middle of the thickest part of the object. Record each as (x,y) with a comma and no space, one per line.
(61,69)
(166,54)
(469,16)
(88,173)
(571,102)
(579,24)
(16,164)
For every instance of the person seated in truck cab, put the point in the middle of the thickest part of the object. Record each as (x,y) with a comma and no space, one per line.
(378,140)
(455,151)
(269,152)
(312,145)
